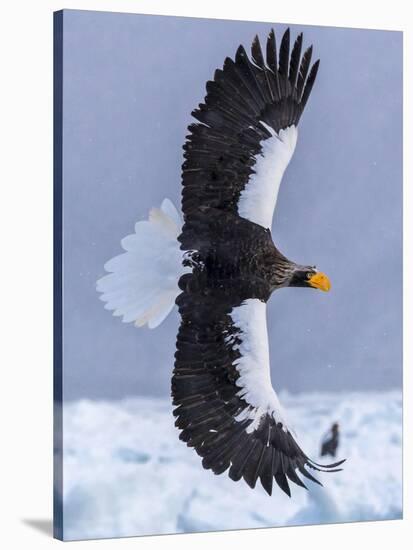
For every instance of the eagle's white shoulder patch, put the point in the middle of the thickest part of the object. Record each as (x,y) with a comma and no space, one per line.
(254,364)
(257,201)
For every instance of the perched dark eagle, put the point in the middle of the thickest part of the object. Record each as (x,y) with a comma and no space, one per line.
(227,266)
(329,444)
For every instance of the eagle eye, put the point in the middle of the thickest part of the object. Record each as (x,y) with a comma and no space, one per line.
(309,274)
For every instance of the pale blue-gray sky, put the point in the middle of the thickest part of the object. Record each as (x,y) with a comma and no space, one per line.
(130,83)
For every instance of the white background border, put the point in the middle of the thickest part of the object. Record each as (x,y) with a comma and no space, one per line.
(26,267)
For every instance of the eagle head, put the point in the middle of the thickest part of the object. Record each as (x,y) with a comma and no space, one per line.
(309,276)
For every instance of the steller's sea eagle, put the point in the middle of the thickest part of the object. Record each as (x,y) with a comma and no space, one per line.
(330,442)
(220,266)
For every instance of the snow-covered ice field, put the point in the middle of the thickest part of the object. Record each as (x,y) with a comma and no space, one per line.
(126,472)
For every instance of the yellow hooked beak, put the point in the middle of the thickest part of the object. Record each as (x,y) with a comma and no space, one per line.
(321,281)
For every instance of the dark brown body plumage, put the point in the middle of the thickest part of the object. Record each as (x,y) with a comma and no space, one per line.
(233,256)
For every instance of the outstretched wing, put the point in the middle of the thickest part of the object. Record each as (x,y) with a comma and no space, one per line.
(225,404)
(236,155)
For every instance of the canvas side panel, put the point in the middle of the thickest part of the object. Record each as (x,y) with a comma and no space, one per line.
(57,275)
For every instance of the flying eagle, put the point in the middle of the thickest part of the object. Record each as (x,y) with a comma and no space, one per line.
(220,266)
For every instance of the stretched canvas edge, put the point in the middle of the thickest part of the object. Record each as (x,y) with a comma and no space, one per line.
(57,275)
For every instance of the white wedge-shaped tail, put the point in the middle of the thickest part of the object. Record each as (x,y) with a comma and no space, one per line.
(142,283)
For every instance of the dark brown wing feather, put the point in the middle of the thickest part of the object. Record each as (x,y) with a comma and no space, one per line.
(220,149)
(206,403)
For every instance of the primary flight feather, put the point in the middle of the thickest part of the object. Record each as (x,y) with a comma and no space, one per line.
(220,266)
